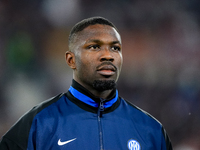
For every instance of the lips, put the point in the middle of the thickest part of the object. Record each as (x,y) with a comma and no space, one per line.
(106,69)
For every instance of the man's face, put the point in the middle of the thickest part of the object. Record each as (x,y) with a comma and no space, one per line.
(98,55)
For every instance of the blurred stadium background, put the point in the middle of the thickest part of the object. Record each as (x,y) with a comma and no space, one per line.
(161,50)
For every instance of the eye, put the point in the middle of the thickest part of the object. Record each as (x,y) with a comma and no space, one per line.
(94,47)
(116,48)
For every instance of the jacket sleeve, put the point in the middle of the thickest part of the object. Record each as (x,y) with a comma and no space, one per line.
(167,140)
(17,137)
(7,144)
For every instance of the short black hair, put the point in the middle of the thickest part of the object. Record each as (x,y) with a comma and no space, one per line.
(87,22)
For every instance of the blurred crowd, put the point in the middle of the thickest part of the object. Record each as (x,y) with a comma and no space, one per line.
(161,51)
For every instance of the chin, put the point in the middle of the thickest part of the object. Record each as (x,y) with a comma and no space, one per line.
(103,84)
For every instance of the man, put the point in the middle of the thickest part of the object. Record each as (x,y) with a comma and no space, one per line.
(91,115)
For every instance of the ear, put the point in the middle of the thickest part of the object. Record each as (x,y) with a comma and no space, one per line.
(70,59)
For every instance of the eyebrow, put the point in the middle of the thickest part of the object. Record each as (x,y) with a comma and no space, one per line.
(99,41)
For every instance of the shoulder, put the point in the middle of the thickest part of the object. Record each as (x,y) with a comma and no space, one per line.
(45,104)
(145,122)
(139,114)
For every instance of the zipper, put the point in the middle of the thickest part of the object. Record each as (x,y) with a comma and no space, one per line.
(100,112)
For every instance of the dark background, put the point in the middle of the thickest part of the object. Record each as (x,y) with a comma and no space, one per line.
(161,50)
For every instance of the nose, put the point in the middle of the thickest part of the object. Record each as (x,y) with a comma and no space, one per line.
(106,55)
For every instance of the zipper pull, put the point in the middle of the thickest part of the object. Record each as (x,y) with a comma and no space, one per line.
(101,107)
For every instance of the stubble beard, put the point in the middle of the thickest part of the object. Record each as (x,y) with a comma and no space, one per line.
(103,85)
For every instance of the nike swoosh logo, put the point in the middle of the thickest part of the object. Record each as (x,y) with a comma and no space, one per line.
(63,143)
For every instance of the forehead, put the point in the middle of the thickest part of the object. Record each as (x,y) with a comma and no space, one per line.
(98,31)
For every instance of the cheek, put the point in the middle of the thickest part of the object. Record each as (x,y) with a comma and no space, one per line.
(119,60)
(83,65)
(88,60)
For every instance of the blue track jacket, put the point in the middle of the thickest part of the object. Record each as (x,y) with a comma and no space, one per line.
(77,120)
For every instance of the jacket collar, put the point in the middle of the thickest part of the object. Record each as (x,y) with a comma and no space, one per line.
(82,94)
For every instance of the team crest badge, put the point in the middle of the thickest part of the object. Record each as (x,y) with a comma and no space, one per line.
(133,145)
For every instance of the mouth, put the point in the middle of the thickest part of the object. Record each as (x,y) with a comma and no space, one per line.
(106,69)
